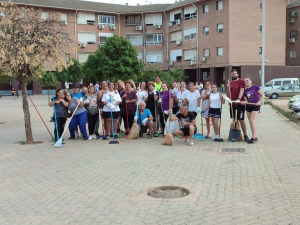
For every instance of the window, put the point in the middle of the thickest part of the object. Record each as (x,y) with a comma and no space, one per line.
(206,31)
(106,20)
(190,54)
(260,28)
(277,83)
(190,33)
(176,55)
(133,21)
(103,37)
(220,28)
(206,53)
(154,57)
(153,19)
(260,50)
(82,57)
(205,8)
(288,87)
(135,39)
(88,38)
(294,34)
(140,56)
(67,57)
(296,87)
(177,35)
(190,12)
(260,5)
(293,54)
(219,5)
(205,76)
(86,18)
(175,15)
(65,37)
(269,84)
(286,82)
(45,15)
(64,17)
(220,51)
(153,39)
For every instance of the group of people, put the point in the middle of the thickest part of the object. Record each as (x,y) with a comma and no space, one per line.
(151,105)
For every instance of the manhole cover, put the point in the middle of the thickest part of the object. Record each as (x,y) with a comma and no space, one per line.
(233,150)
(2,122)
(168,192)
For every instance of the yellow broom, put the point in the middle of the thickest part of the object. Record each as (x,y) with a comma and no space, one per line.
(134,132)
(169,137)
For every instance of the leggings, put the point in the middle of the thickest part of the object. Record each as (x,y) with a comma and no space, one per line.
(130,121)
(79,119)
(92,120)
(61,121)
(162,118)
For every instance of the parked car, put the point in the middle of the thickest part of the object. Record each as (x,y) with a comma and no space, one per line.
(277,83)
(296,108)
(288,90)
(293,100)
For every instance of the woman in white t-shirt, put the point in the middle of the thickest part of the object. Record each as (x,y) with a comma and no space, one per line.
(111,102)
(141,93)
(181,94)
(193,99)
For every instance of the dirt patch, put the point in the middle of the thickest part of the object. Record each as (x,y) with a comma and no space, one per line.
(34,143)
(168,192)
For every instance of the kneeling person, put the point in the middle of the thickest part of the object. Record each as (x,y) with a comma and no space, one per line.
(144,120)
(187,123)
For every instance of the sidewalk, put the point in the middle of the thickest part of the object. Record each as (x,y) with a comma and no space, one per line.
(92,182)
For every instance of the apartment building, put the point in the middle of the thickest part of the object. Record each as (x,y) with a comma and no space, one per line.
(205,38)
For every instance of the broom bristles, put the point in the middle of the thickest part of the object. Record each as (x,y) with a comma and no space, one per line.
(168,139)
(134,132)
(239,128)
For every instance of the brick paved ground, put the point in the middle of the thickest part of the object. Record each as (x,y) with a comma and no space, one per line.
(92,182)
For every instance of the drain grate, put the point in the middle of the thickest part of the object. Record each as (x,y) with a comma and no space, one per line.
(168,192)
(233,150)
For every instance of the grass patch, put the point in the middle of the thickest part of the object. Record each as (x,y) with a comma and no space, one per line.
(283,112)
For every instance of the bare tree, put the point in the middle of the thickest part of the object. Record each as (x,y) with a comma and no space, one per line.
(27,43)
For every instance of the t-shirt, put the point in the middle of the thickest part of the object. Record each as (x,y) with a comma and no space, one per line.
(150,104)
(235,88)
(131,107)
(60,109)
(141,117)
(178,95)
(78,95)
(141,95)
(92,106)
(189,118)
(252,94)
(114,99)
(73,105)
(192,97)
(157,87)
(165,100)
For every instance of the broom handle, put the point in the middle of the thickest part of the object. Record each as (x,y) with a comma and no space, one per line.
(137,105)
(100,115)
(70,119)
(230,99)
(169,106)
(55,118)
(127,113)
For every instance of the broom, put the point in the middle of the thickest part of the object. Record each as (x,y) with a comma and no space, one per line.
(169,138)
(134,132)
(126,136)
(232,125)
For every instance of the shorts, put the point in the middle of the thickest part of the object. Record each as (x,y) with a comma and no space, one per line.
(214,112)
(107,115)
(147,125)
(186,131)
(251,108)
(240,111)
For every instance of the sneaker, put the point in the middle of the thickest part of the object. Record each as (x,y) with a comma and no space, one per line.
(156,134)
(71,138)
(253,140)
(118,131)
(187,140)
(214,137)
(97,134)
(191,143)
(246,138)
(94,136)
(90,137)
(76,135)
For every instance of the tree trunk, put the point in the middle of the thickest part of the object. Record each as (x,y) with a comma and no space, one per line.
(28,131)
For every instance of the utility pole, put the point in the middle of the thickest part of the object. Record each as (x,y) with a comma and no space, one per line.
(263,49)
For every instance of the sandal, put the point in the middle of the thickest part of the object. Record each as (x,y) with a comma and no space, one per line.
(150,136)
(191,143)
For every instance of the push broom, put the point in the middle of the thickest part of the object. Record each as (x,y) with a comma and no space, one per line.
(126,136)
(112,125)
(57,137)
(134,132)
(169,137)
(103,137)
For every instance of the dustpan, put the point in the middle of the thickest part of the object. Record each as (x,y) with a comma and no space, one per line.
(198,136)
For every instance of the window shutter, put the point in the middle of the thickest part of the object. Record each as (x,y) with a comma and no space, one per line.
(193,53)
(45,15)
(220,51)
(187,54)
(64,17)
(82,57)
(149,19)
(140,56)
(91,37)
(179,35)
(82,37)
(220,5)
(90,16)
(157,19)
(173,13)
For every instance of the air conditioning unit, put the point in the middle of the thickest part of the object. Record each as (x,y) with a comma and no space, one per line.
(192,63)
(170,24)
(112,27)
(178,22)
(157,26)
(178,42)
(139,28)
(63,22)
(292,20)
(101,26)
(171,63)
(203,59)
(82,45)
(292,40)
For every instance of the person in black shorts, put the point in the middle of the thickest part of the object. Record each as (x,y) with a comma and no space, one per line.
(150,98)
(187,124)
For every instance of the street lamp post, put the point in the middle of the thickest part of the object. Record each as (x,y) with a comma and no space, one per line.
(263,49)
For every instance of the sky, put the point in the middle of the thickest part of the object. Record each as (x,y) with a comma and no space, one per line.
(134,2)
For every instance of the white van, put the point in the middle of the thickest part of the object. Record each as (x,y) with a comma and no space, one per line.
(277,83)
